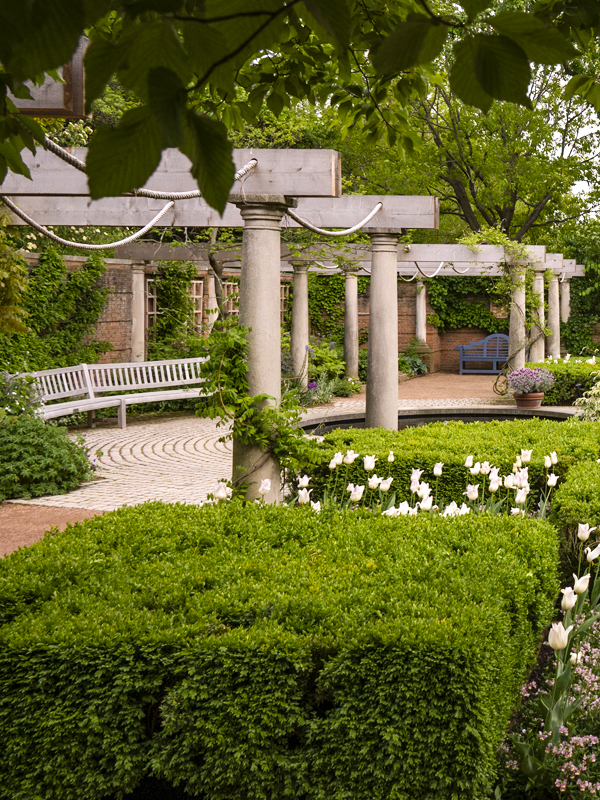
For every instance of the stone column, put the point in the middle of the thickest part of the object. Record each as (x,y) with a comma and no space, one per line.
(553,338)
(382,365)
(422,349)
(212,307)
(565,300)
(517,337)
(260,311)
(138,311)
(537,348)
(351,324)
(300,322)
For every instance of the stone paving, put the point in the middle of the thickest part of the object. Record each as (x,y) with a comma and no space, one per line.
(178,459)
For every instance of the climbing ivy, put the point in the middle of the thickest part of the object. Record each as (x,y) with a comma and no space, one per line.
(454,303)
(575,334)
(61,309)
(173,335)
(13,281)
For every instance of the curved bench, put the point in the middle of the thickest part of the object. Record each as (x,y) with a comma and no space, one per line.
(494,348)
(85,387)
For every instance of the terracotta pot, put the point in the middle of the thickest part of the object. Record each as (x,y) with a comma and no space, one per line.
(529,400)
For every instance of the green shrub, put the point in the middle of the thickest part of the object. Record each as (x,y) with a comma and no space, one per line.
(261,652)
(451,442)
(325,358)
(37,458)
(568,375)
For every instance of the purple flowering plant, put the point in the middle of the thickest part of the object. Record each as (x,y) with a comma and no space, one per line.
(526,380)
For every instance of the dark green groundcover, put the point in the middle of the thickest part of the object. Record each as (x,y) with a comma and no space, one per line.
(253,653)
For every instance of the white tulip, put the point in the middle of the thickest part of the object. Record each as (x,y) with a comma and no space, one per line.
(580,585)
(338,458)
(350,457)
(369,463)
(494,474)
(423,490)
(472,492)
(426,503)
(569,598)
(350,487)
(476,469)
(515,511)
(547,462)
(518,462)
(385,485)
(485,468)
(265,487)
(412,512)
(526,456)
(414,486)
(391,456)
(333,464)
(584,530)
(415,475)
(451,510)
(357,494)
(304,496)
(464,509)
(495,484)
(437,470)
(509,481)
(469,461)
(521,497)
(303,482)
(592,554)
(316,506)
(554,457)
(374,481)
(558,638)
(591,360)
(552,479)
(567,357)
(221,491)
(576,658)
(403,508)
(390,512)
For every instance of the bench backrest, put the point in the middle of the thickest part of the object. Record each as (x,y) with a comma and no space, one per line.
(144,375)
(56,384)
(493,346)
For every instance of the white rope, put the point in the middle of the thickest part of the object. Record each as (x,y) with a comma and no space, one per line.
(323,232)
(408,280)
(81,246)
(434,274)
(460,271)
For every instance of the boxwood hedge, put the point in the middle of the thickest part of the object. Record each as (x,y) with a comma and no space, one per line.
(572,378)
(451,442)
(253,653)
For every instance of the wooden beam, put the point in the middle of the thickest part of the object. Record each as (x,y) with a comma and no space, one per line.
(301,173)
(461,253)
(342,212)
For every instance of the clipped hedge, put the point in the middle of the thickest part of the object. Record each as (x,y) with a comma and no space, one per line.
(578,499)
(37,458)
(251,653)
(572,377)
(451,442)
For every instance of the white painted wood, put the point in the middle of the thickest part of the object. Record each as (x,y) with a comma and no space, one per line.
(302,173)
(461,253)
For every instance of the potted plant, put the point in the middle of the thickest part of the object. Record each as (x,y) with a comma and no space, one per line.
(529,386)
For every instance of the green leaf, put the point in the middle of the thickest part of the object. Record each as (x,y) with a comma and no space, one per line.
(334,16)
(463,78)
(13,158)
(102,59)
(474,7)
(122,159)
(418,40)
(204,44)
(275,103)
(167,98)
(502,69)
(543,44)
(209,150)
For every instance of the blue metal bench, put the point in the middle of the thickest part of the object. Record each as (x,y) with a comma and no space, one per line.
(494,348)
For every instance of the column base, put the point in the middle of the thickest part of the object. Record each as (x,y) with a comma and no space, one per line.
(424,351)
(251,466)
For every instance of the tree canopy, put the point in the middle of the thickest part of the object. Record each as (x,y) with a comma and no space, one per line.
(198,67)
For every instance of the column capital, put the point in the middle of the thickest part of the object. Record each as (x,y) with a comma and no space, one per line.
(263,215)
(300,266)
(139,266)
(384,239)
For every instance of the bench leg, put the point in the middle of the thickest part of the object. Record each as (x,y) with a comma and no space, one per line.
(91,419)
(122,415)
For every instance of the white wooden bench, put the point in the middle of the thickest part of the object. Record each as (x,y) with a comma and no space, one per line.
(85,387)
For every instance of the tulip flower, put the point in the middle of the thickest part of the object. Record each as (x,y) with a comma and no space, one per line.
(416,475)
(495,484)
(385,485)
(437,470)
(369,463)
(414,486)
(521,497)
(265,487)
(569,598)
(374,481)
(547,462)
(494,474)
(316,506)
(412,512)
(576,658)
(558,638)
(552,479)
(485,468)
(357,494)
(333,464)
(426,503)
(350,457)
(567,357)
(221,491)
(303,482)
(580,585)
(424,490)
(451,510)
(472,492)
(464,509)
(526,456)
(403,508)
(338,458)
(350,487)
(584,530)
(518,462)
(469,461)
(554,457)
(476,469)
(304,496)
(391,456)
(509,481)
(592,554)
(390,512)
(515,511)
